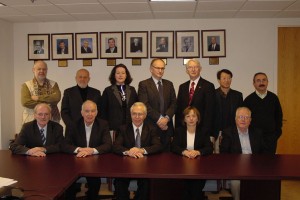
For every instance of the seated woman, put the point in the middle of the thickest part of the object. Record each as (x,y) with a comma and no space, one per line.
(191,142)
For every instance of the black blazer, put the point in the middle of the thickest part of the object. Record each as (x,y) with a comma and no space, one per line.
(111,105)
(115,50)
(235,101)
(125,139)
(30,137)
(88,50)
(231,142)
(202,141)
(72,102)
(217,47)
(66,51)
(203,100)
(100,138)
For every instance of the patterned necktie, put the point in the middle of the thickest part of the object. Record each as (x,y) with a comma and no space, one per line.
(191,94)
(161,98)
(43,136)
(138,138)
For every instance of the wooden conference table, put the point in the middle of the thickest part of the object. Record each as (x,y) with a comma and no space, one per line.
(47,178)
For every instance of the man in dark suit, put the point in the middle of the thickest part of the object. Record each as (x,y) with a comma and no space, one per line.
(199,93)
(213,46)
(163,45)
(40,136)
(241,139)
(136,139)
(136,45)
(85,47)
(38,45)
(90,136)
(75,96)
(62,48)
(159,96)
(227,101)
(112,46)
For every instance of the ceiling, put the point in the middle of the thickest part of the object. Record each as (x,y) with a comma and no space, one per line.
(19,11)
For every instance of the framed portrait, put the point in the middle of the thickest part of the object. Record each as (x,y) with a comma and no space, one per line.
(38,46)
(111,45)
(187,44)
(213,43)
(86,45)
(62,46)
(136,44)
(162,44)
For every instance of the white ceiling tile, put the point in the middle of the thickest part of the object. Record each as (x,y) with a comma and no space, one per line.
(133,15)
(215,14)
(266,5)
(173,15)
(39,10)
(54,18)
(24,2)
(123,1)
(289,14)
(93,16)
(256,14)
(204,6)
(9,11)
(72,1)
(83,8)
(173,6)
(127,7)
(18,18)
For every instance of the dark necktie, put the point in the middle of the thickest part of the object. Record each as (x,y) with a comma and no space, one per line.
(191,94)
(43,136)
(161,98)
(138,138)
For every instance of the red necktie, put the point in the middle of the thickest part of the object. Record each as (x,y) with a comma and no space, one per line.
(192,91)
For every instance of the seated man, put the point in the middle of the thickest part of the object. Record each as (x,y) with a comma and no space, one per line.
(88,137)
(241,140)
(40,136)
(135,139)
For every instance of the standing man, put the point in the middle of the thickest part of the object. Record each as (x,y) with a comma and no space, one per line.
(136,139)
(76,95)
(159,96)
(199,93)
(40,90)
(112,48)
(40,136)
(89,137)
(240,139)
(227,101)
(266,111)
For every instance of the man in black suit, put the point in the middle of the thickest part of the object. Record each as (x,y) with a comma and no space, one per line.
(240,139)
(136,139)
(159,96)
(163,45)
(38,45)
(62,48)
(90,136)
(112,48)
(40,136)
(76,95)
(85,47)
(136,45)
(213,46)
(199,93)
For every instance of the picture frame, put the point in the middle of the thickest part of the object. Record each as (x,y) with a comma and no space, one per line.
(136,44)
(115,39)
(218,37)
(38,46)
(62,46)
(162,44)
(86,45)
(187,44)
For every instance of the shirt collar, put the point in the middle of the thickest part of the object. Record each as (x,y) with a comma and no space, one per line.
(261,95)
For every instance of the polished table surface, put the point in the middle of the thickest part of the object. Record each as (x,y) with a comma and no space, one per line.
(51,175)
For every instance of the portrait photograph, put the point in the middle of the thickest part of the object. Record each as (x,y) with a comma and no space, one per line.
(38,46)
(62,46)
(86,45)
(213,43)
(136,44)
(162,44)
(187,44)
(111,45)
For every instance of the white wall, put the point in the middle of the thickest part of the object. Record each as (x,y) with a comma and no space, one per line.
(251,47)
(7,107)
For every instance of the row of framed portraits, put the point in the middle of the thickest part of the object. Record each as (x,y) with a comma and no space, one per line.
(186,44)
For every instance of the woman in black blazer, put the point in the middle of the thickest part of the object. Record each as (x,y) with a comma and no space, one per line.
(190,141)
(118,98)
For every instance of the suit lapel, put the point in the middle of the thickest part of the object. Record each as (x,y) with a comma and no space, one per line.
(153,87)
(76,95)
(237,138)
(116,93)
(82,134)
(144,134)
(131,137)
(128,93)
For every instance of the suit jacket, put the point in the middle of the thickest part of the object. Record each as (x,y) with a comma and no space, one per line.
(235,100)
(100,138)
(72,101)
(231,142)
(59,50)
(39,52)
(125,139)
(30,137)
(160,48)
(217,47)
(148,94)
(88,50)
(203,100)
(134,48)
(201,143)
(115,50)
(111,105)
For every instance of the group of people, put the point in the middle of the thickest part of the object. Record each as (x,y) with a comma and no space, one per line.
(136,124)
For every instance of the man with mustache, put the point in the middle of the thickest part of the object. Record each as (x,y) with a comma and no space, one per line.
(266,111)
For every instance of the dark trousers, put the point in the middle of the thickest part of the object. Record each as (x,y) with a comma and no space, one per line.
(193,189)
(121,189)
(92,193)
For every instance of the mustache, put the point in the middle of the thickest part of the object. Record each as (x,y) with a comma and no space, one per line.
(262,85)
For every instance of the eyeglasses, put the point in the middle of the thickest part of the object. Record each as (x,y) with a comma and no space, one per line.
(134,114)
(192,67)
(43,114)
(241,117)
(159,68)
